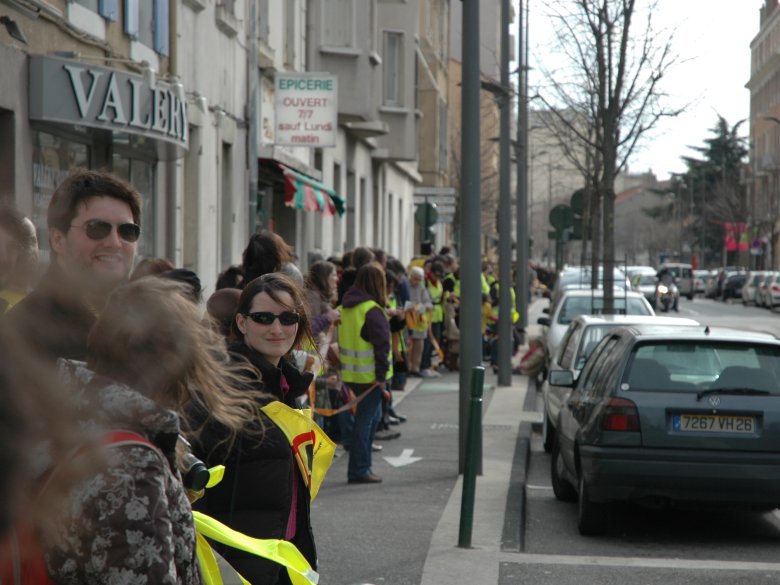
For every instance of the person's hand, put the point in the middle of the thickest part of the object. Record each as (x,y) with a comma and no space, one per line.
(334,316)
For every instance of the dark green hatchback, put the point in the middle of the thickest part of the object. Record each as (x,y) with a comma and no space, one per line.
(671,415)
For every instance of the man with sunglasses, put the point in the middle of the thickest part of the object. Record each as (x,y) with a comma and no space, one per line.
(94,225)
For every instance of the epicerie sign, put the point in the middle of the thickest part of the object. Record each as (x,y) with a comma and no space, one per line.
(306,109)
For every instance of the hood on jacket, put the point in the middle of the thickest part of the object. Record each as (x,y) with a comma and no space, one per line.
(354,296)
(103,404)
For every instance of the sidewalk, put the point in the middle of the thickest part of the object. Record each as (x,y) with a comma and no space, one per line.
(498,525)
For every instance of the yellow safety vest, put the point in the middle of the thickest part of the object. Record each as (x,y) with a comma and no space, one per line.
(515,314)
(436,291)
(357,354)
(456,286)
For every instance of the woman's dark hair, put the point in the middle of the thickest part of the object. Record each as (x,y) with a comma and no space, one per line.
(362,256)
(371,280)
(273,285)
(396,265)
(380,256)
(151,267)
(266,252)
(232,277)
(317,278)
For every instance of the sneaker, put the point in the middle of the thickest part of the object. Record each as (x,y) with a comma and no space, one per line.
(375,447)
(435,373)
(426,374)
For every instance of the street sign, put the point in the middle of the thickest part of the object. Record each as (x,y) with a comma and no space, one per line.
(426,215)
(561,217)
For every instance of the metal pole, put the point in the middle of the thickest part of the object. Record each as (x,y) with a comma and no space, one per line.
(522,245)
(473,453)
(470,307)
(504,218)
(254,135)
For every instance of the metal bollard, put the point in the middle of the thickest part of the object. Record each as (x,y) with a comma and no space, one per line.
(473,447)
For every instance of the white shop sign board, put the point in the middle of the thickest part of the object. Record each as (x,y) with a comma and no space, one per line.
(306,107)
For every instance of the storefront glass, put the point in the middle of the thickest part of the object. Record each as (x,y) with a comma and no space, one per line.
(140,174)
(53,158)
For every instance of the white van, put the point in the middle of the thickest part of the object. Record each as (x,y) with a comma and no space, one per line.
(683,276)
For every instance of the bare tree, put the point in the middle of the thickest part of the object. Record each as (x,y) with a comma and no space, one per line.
(611,81)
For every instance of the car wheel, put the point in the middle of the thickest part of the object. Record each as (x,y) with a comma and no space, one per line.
(562,489)
(591,517)
(548,434)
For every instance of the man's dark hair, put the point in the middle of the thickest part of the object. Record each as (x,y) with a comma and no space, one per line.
(266,252)
(83,184)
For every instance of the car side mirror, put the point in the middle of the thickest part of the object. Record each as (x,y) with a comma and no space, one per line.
(561,378)
(543,321)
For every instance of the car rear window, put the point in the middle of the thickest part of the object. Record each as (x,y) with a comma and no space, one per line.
(576,306)
(687,365)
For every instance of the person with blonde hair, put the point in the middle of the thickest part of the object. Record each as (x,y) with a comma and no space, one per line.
(149,356)
(420,306)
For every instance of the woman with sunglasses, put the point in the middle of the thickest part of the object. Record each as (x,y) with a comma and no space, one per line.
(262,493)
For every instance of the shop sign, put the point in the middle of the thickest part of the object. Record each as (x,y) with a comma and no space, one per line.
(71,92)
(306,109)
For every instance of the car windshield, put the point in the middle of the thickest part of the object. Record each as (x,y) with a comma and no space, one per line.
(581,278)
(647,279)
(709,366)
(576,306)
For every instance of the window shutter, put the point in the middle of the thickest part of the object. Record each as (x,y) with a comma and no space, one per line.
(131,18)
(161,26)
(108,9)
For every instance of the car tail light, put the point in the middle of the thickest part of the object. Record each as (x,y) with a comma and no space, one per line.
(620,415)
(775,288)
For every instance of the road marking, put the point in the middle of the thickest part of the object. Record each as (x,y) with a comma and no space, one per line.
(404,459)
(648,563)
(538,487)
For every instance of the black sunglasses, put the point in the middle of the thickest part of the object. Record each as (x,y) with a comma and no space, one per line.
(267,318)
(97,229)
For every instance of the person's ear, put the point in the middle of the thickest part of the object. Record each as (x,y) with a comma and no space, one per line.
(241,323)
(57,240)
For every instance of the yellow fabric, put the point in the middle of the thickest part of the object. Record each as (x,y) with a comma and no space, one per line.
(305,437)
(417,319)
(11,297)
(216,474)
(279,551)
(436,291)
(485,285)
(356,354)
(456,284)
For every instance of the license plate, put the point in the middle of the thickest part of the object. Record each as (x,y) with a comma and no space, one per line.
(713,423)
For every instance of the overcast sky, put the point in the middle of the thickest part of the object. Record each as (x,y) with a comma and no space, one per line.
(712,38)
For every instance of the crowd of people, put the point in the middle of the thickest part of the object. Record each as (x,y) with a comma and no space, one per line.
(117,384)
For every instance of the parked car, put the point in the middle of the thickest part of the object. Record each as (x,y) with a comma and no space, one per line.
(750,288)
(762,290)
(700,281)
(664,415)
(645,283)
(632,271)
(711,284)
(732,287)
(578,343)
(575,302)
(579,277)
(772,298)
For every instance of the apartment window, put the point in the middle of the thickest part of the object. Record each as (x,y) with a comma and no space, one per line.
(263,15)
(291,38)
(393,64)
(147,21)
(338,23)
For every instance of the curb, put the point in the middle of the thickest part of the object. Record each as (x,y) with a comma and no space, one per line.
(513,534)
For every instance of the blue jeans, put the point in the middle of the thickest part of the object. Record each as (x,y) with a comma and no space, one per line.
(369,412)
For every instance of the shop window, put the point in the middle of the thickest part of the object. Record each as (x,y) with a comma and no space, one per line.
(140,174)
(53,158)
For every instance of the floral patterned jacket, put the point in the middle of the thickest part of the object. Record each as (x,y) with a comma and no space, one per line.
(130,523)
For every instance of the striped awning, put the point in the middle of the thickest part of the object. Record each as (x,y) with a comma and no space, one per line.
(303,192)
